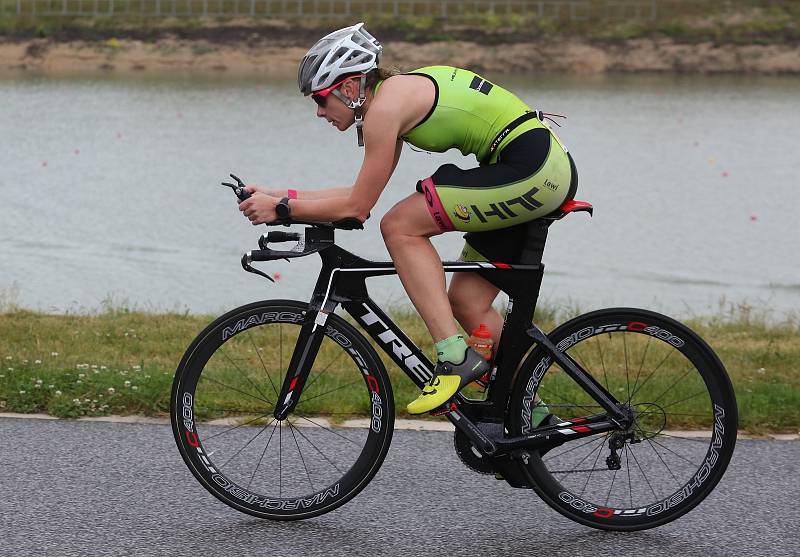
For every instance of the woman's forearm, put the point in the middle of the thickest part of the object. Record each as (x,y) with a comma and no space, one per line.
(327,209)
(320,194)
(306,194)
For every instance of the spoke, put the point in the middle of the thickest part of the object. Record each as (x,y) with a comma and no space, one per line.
(608,495)
(668,389)
(552,395)
(579,358)
(225,353)
(658,454)
(260,431)
(594,465)
(675,453)
(591,440)
(602,362)
(641,365)
(280,350)
(255,348)
(574,468)
(703,441)
(704,391)
(222,410)
(655,412)
(669,353)
(275,425)
(238,390)
(628,469)
(321,373)
(299,431)
(299,404)
(625,352)
(280,459)
(643,474)
(234,427)
(291,430)
(350,413)
(328,429)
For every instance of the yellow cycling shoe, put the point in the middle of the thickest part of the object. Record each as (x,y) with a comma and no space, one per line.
(448,379)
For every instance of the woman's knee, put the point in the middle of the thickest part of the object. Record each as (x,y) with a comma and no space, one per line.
(409,217)
(391,223)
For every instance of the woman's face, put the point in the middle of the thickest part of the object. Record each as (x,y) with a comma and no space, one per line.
(335,110)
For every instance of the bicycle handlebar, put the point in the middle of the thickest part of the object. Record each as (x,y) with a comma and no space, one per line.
(319,236)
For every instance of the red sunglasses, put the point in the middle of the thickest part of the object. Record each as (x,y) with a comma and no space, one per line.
(321,96)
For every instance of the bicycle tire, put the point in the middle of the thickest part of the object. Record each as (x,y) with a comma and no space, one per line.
(222,400)
(683,387)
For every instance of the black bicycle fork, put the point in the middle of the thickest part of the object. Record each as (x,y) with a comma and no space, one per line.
(305,352)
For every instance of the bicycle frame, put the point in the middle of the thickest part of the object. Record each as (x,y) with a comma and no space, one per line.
(342,281)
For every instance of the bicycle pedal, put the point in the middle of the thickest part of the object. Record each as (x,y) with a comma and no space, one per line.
(445,408)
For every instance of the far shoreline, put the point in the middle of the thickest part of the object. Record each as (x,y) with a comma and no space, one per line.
(563,55)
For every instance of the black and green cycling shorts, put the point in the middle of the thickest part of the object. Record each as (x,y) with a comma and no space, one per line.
(532,177)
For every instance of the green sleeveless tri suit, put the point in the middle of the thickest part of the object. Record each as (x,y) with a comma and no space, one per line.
(525,172)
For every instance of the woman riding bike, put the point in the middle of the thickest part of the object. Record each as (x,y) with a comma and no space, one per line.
(525,173)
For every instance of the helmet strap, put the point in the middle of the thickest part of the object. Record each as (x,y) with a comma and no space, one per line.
(356,106)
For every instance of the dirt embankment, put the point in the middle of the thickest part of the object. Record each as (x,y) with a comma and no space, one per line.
(566,55)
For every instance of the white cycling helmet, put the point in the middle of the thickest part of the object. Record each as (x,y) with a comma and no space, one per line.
(347,51)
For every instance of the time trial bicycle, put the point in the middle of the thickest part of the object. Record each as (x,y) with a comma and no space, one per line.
(282,409)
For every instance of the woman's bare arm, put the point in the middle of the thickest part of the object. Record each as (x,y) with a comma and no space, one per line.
(302,194)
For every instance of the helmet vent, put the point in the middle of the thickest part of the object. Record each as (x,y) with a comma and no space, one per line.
(345,51)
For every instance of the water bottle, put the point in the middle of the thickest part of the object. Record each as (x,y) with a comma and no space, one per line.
(481,341)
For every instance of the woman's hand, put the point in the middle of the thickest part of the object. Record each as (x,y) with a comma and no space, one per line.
(259,208)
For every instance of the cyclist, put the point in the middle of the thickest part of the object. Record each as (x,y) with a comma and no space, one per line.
(525,173)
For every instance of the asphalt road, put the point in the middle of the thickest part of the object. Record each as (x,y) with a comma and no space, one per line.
(89,488)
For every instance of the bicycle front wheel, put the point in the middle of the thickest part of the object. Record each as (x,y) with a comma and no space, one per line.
(683,433)
(319,457)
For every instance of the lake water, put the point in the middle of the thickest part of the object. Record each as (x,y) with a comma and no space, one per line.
(109,191)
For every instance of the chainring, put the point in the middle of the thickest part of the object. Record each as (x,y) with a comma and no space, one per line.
(470,455)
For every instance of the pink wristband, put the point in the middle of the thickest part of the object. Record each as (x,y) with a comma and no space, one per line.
(291,194)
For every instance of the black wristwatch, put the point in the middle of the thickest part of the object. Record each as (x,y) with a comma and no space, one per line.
(282,209)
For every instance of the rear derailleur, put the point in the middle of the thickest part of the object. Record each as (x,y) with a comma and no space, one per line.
(616,442)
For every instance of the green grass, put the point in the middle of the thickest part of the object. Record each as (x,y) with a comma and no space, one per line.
(122,362)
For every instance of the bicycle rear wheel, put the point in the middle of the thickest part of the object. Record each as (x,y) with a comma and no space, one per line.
(685,423)
(323,454)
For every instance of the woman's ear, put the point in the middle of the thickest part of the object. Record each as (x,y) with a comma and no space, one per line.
(351,89)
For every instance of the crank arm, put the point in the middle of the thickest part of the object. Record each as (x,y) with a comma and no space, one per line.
(468,428)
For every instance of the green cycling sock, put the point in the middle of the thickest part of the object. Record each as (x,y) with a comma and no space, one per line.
(452,349)
(538,413)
